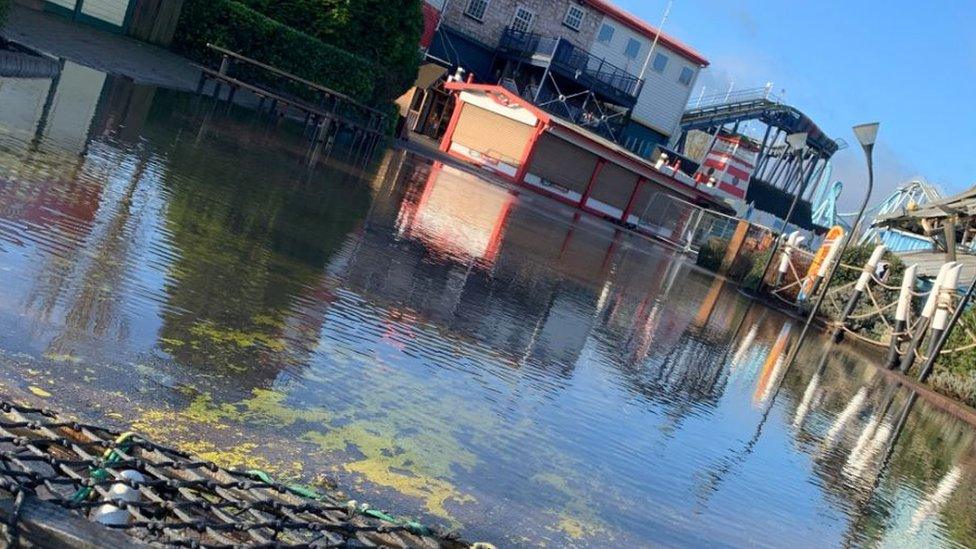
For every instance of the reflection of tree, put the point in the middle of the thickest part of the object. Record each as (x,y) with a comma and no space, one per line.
(251,235)
(93,306)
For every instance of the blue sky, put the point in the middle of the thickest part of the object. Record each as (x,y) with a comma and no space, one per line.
(909,65)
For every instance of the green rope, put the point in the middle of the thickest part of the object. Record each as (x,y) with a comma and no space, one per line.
(111,457)
(412,526)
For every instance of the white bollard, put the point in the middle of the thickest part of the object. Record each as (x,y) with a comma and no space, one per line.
(901,313)
(793,241)
(927,311)
(943,302)
(860,287)
(112,515)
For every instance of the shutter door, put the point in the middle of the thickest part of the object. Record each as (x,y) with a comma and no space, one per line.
(614,185)
(560,162)
(492,135)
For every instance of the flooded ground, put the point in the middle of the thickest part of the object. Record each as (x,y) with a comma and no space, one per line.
(443,347)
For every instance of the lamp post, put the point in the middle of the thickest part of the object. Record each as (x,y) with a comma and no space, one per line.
(798,144)
(866,134)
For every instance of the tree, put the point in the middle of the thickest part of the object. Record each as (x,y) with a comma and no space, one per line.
(385,32)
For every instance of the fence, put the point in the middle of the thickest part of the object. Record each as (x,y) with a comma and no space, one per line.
(683,224)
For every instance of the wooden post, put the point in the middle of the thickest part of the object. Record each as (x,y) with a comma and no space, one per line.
(45,524)
(735,244)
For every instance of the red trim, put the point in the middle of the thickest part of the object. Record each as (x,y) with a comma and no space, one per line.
(734,191)
(470,160)
(648,31)
(496,89)
(498,231)
(554,196)
(632,199)
(451,126)
(589,186)
(529,152)
(610,251)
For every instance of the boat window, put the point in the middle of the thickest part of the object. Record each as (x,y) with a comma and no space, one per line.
(686,76)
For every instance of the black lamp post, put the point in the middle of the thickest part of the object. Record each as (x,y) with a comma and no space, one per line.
(866,134)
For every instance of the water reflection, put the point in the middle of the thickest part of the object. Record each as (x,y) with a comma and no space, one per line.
(444,345)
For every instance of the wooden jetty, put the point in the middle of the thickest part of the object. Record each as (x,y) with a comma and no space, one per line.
(326,112)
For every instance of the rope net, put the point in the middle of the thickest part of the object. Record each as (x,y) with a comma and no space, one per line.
(179,501)
(872,321)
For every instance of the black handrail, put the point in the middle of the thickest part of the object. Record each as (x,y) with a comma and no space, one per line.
(572,58)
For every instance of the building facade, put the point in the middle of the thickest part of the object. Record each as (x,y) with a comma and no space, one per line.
(587,61)
(153,21)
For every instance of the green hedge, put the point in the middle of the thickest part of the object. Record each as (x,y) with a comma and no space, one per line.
(4,7)
(388,33)
(234,26)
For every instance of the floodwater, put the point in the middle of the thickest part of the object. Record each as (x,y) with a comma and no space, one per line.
(442,347)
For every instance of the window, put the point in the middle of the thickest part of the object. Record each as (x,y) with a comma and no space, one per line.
(476,9)
(686,76)
(522,21)
(632,48)
(606,34)
(660,62)
(574,17)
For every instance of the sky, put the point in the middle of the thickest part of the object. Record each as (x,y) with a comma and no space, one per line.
(909,65)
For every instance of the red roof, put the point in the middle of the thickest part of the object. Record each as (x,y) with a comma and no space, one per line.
(642,27)
(431,18)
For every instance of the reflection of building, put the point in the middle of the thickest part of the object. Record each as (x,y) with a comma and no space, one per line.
(459,215)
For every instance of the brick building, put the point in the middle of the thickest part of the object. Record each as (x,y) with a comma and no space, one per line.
(586,61)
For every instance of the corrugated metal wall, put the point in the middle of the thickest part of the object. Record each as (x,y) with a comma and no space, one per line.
(562,163)
(614,186)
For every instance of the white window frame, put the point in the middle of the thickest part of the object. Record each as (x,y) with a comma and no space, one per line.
(484,9)
(663,67)
(572,9)
(630,41)
(599,33)
(691,78)
(515,16)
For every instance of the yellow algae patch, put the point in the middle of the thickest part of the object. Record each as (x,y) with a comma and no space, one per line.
(177,430)
(171,342)
(39,392)
(411,465)
(264,407)
(209,331)
(240,456)
(62,357)
(577,520)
